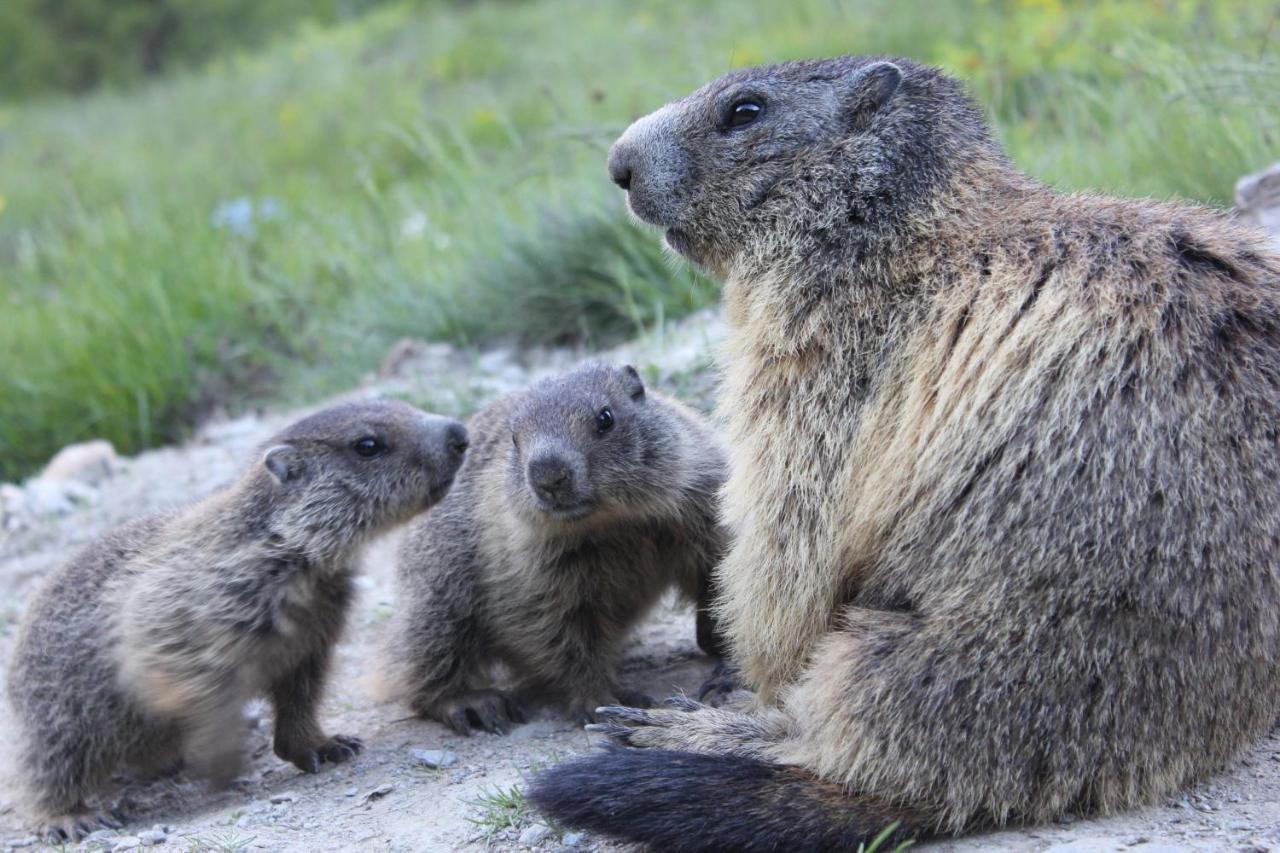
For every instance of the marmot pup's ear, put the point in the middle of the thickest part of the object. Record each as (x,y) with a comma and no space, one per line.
(284,462)
(634,384)
(870,87)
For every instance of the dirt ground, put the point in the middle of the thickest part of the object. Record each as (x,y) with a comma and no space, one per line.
(387,799)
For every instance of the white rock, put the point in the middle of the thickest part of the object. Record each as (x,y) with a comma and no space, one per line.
(284,797)
(88,462)
(534,835)
(58,497)
(128,842)
(574,839)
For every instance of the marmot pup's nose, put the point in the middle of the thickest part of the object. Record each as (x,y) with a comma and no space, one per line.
(455,439)
(550,477)
(620,167)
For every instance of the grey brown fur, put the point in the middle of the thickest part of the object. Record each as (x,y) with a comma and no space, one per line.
(555,541)
(141,652)
(1005,481)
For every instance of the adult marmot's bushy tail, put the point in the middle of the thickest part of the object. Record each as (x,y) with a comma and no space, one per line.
(683,801)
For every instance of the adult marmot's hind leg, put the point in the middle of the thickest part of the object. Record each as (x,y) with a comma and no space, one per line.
(688,726)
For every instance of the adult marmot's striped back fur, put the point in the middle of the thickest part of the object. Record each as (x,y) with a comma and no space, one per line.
(1005,483)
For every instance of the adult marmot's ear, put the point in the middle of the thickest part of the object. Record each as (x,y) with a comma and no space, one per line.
(634,384)
(870,87)
(284,462)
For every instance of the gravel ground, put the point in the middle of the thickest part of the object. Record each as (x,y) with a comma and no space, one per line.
(390,797)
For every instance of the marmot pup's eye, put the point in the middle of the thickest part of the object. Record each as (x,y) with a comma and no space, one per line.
(604,420)
(369,447)
(743,113)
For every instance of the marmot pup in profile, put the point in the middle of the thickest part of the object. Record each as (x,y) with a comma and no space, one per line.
(583,498)
(1004,487)
(142,651)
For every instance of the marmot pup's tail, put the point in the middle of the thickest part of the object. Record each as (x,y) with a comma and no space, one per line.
(683,801)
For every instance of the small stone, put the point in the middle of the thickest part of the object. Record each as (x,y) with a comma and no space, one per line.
(574,839)
(128,842)
(351,792)
(152,837)
(29,841)
(284,797)
(534,835)
(379,792)
(100,835)
(244,822)
(436,759)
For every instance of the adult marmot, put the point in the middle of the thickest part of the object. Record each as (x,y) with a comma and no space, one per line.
(143,649)
(1004,477)
(583,499)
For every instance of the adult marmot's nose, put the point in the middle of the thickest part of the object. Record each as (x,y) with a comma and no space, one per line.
(620,166)
(551,477)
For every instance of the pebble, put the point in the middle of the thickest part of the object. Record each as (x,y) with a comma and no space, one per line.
(351,792)
(535,834)
(29,841)
(1088,844)
(152,837)
(284,797)
(437,759)
(380,792)
(574,839)
(128,842)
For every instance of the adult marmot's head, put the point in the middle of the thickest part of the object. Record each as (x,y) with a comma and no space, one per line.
(838,145)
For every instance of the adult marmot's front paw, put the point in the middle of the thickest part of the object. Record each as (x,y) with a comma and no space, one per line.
(309,757)
(585,709)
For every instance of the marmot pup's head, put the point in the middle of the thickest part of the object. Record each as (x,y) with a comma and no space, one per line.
(355,469)
(590,441)
(836,146)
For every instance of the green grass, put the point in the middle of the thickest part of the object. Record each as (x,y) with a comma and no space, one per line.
(439,174)
(499,809)
(223,842)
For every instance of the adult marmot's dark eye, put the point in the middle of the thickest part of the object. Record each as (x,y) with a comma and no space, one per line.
(369,447)
(604,420)
(743,113)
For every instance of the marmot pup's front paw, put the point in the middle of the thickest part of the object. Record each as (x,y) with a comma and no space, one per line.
(57,830)
(333,750)
(494,711)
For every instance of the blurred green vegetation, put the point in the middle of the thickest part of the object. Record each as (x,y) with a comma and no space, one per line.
(267,223)
(76,45)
